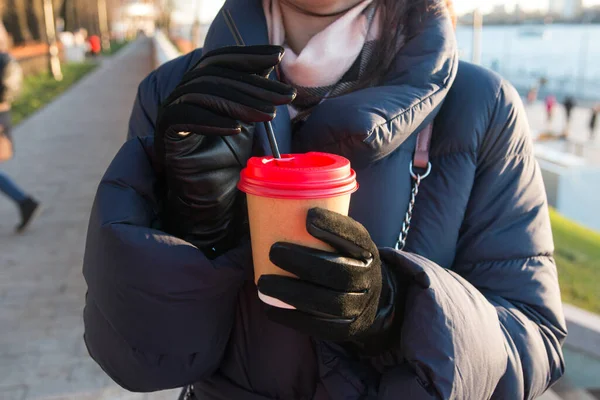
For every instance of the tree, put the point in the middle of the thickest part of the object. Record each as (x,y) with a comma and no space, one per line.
(24,19)
(69,13)
(16,21)
(88,15)
(35,19)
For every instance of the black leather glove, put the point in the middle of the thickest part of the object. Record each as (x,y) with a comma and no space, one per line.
(349,296)
(204,135)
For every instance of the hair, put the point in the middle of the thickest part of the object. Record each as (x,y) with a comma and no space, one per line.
(401,20)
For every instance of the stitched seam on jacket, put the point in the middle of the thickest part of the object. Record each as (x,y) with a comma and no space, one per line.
(452,153)
(155,105)
(508,157)
(119,184)
(441,155)
(129,346)
(528,151)
(503,260)
(443,85)
(488,127)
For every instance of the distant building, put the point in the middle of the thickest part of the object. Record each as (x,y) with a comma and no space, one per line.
(556,7)
(499,10)
(572,8)
(567,9)
(519,13)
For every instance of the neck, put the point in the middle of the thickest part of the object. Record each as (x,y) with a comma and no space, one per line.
(4,107)
(300,27)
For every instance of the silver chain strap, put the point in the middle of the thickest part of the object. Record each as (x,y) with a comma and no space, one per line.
(416,182)
(188,392)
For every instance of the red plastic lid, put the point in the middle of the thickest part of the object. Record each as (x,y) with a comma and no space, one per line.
(298,176)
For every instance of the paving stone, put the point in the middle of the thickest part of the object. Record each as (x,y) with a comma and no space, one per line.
(18,392)
(17,368)
(63,151)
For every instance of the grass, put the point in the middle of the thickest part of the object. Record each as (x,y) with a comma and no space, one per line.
(41,89)
(115,46)
(578,260)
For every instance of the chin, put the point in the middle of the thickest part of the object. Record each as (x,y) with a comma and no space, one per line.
(323,6)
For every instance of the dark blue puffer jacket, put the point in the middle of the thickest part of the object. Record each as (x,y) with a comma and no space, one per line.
(160,315)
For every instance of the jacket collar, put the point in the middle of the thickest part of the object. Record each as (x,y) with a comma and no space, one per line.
(369,124)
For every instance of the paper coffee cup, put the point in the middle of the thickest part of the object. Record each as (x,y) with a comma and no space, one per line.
(280,193)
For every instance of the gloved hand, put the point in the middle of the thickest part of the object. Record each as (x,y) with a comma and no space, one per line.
(348,296)
(203,139)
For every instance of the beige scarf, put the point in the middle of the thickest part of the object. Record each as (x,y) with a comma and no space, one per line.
(333,59)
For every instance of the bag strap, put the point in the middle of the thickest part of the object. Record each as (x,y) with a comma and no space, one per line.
(420,160)
(421,157)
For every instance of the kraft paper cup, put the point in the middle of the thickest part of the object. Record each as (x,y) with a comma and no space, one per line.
(281,191)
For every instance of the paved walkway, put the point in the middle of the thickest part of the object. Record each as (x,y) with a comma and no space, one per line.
(578,142)
(62,152)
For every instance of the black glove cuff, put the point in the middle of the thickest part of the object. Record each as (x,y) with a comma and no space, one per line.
(386,329)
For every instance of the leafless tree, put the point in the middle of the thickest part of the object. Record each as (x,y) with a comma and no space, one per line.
(16,21)
(24,19)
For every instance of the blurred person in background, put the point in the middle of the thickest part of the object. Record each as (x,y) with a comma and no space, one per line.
(95,45)
(594,121)
(11,78)
(550,104)
(532,95)
(81,47)
(569,105)
(468,307)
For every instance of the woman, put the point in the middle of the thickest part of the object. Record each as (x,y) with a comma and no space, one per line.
(469,309)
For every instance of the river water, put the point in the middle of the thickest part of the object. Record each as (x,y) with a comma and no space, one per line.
(568,56)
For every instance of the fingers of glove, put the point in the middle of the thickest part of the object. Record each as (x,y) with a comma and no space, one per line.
(313,299)
(251,59)
(341,232)
(268,90)
(321,267)
(224,100)
(183,118)
(311,325)
(196,153)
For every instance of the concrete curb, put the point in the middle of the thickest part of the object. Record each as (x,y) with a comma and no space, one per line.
(164,51)
(584,330)
(549,395)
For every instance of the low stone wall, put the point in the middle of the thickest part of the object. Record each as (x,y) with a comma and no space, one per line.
(572,185)
(584,330)
(33,58)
